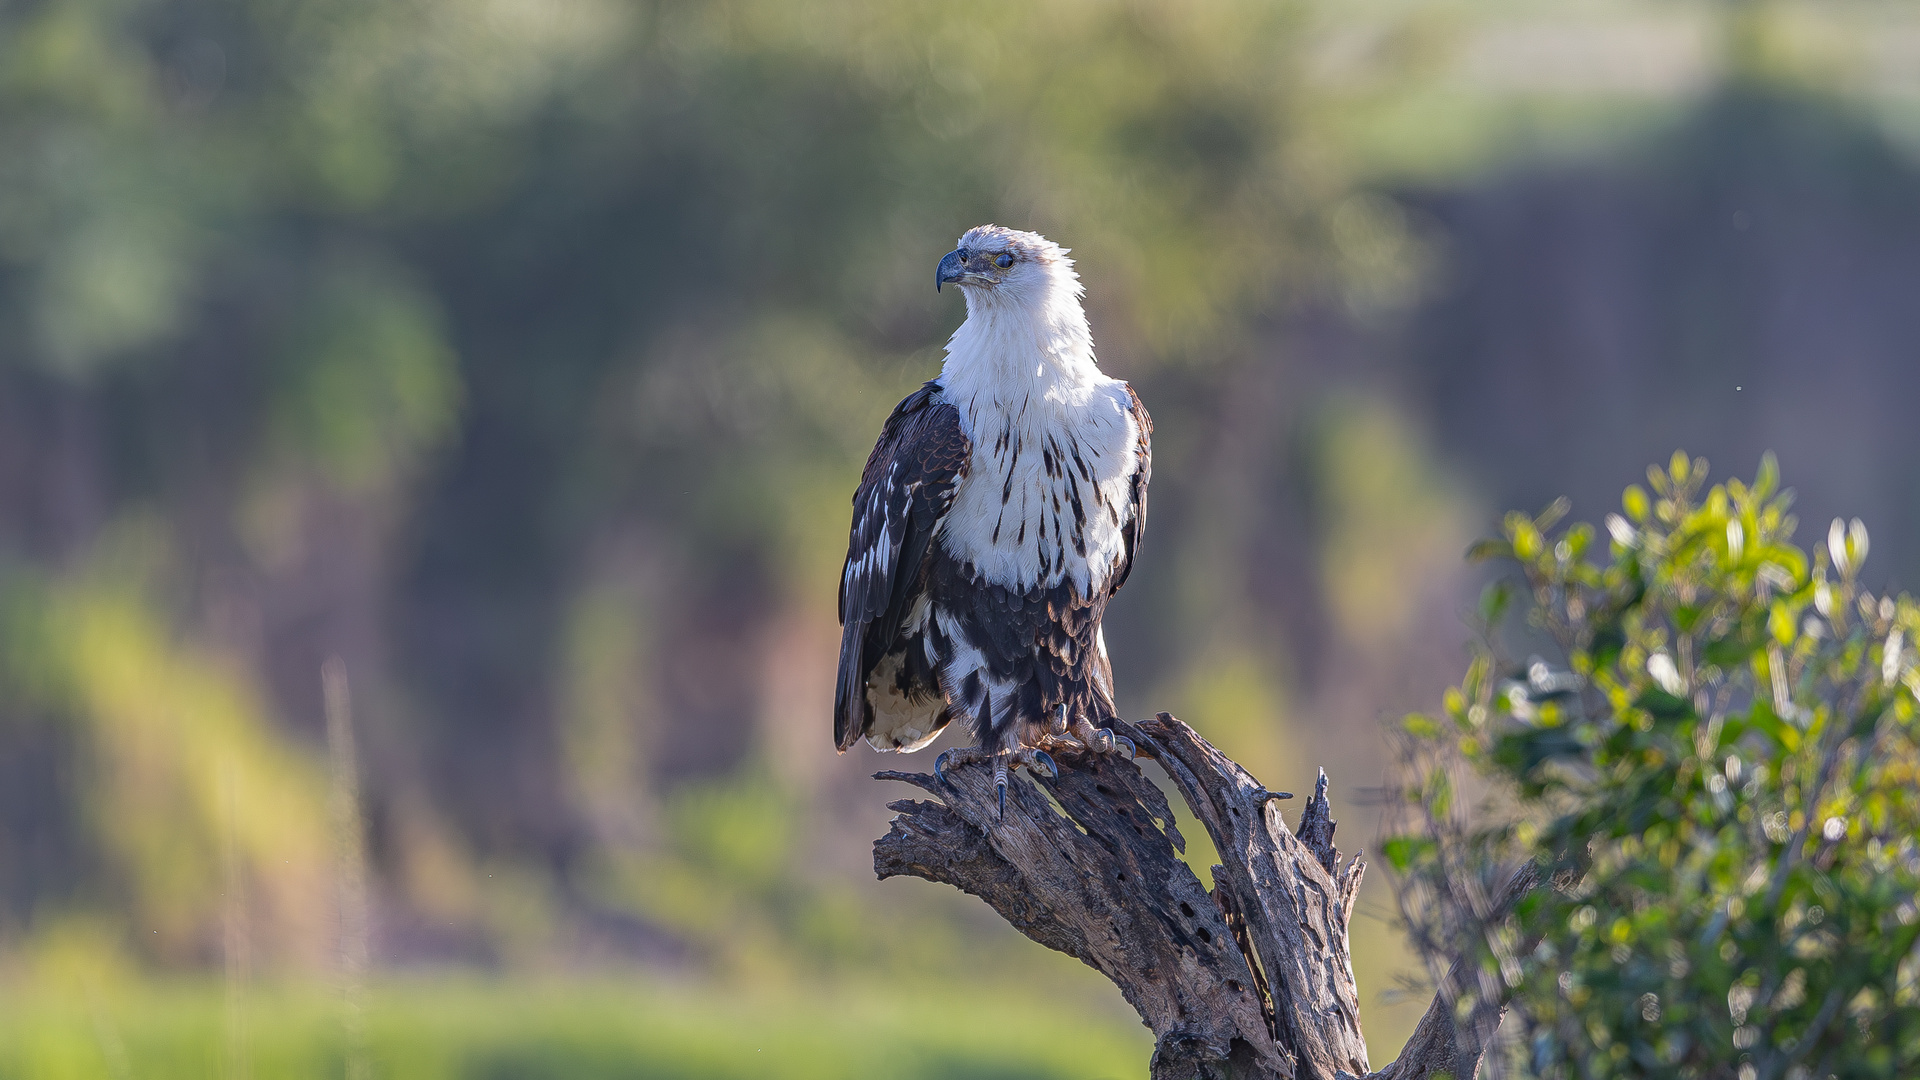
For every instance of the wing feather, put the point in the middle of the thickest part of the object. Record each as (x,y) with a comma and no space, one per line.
(904,493)
(1142,474)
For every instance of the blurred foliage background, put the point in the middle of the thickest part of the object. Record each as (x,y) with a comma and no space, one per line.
(521,355)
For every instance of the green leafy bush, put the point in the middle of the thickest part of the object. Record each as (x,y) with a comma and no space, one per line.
(1717,779)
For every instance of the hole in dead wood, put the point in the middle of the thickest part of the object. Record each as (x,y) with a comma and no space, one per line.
(1103,789)
(1119,877)
(1186,909)
(1205,935)
(1233,986)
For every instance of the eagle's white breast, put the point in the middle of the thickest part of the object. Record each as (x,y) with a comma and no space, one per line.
(1055,444)
(1047,497)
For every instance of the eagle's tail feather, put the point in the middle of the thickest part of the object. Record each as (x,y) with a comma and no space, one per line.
(849,693)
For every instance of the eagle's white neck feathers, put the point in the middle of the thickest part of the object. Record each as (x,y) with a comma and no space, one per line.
(1053,437)
(1026,333)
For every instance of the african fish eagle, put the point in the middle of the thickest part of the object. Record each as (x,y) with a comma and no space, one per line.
(998,512)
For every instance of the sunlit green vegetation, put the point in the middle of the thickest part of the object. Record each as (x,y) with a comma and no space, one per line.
(1720,782)
(581,1029)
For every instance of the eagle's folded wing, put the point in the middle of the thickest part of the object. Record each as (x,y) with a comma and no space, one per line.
(1137,523)
(904,493)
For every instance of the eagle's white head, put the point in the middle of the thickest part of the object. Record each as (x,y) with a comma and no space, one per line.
(1023,308)
(998,266)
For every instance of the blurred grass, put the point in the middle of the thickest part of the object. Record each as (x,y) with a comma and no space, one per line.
(448,1028)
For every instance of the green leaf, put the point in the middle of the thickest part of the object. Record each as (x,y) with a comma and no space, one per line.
(1767,480)
(1420,726)
(1493,602)
(1868,717)
(1733,648)
(1608,640)
(1482,550)
(1783,734)
(1439,794)
(1634,501)
(1665,708)
(1780,623)
(1578,538)
(1521,753)
(1527,541)
(1686,616)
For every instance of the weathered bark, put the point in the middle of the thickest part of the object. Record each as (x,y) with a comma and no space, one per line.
(1115,895)
(1252,982)
(1296,897)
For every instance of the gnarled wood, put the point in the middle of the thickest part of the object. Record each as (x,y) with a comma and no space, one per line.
(1296,897)
(1117,896)
(1252,982)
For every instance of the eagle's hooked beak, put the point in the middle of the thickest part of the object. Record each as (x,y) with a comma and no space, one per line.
(952,268)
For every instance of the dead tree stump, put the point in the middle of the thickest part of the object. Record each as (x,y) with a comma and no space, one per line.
(1250,982)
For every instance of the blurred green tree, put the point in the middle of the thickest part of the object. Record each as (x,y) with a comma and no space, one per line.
(522,356)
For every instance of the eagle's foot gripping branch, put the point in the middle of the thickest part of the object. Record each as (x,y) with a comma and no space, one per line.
(1080,736)
(1003,762)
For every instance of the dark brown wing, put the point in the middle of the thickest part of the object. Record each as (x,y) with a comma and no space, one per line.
(904,493)
(1137,522)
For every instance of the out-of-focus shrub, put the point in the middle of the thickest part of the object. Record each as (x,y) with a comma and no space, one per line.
(1715,770)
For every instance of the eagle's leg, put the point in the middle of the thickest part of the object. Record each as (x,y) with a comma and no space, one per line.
(1006,760)
(1003,760)
(967,755)
(1082,736)
(959,755)
(1101,740)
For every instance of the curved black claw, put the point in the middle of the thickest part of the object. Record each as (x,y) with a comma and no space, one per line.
(1045,761)
(1002,785)
(940,767)
(1133,751)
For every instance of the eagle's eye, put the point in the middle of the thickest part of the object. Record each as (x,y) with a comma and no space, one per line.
(1005,260)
